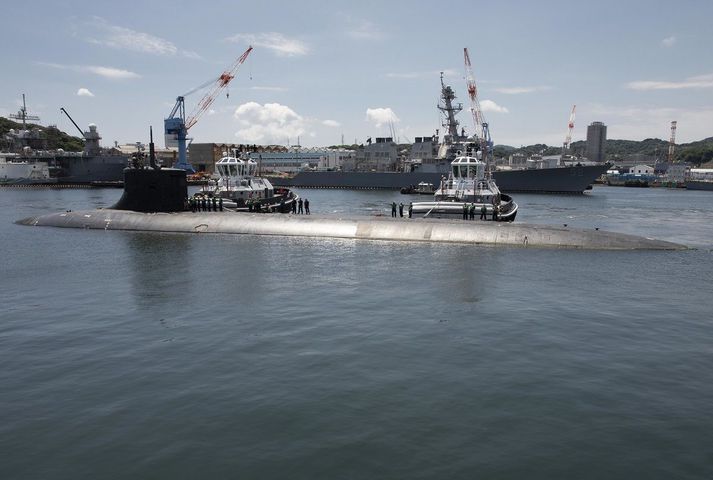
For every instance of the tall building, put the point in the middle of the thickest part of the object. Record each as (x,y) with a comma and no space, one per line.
(596,140)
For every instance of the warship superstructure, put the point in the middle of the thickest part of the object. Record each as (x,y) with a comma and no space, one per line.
(431,159)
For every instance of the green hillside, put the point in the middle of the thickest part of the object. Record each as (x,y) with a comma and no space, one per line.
(53,137)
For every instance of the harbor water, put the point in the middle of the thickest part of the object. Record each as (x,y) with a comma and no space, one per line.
(168,356)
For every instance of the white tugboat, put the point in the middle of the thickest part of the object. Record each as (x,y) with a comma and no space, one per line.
(468,188)
(242,190)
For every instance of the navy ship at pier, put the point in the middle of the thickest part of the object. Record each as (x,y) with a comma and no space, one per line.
(431,160)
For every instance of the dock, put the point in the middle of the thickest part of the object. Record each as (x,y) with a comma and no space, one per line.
(352,227)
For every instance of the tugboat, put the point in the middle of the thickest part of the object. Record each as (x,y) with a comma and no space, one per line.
(242,190)
(467,187)
(470,187)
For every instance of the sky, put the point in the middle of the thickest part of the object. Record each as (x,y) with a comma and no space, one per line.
(323,70)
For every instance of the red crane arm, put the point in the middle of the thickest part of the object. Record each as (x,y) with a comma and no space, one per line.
(204,104)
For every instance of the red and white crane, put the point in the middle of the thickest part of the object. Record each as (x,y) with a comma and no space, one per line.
(177,124)
(570,127)
(672,142)
(482,132)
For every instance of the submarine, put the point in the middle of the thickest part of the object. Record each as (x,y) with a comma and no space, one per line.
(155,200)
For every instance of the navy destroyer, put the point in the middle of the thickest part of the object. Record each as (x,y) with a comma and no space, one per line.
(431,159)
(94,165)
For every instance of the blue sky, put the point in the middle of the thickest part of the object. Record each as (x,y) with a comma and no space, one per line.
(323,69)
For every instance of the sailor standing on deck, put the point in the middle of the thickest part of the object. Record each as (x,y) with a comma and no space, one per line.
(393,209)
(472,211)
(483,213)
(300,206)
(410,209)
(465,211)
(401,209)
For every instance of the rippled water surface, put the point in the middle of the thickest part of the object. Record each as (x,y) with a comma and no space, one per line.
(164,356)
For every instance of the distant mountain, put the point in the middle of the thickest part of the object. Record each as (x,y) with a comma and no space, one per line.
(52,137)
(697,152)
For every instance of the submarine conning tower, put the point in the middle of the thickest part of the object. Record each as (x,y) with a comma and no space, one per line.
(154,190)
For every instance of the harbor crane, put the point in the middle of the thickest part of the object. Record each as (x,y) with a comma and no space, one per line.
(482,132)
(568,139)
(672,142)
(177,124)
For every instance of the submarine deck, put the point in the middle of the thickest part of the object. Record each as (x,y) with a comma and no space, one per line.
(365,228)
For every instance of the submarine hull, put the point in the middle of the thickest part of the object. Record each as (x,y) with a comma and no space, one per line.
(362,228)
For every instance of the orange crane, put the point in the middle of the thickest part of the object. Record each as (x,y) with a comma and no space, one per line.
(177,124)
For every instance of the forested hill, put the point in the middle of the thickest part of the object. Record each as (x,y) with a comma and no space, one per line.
(697,152)
(54,137)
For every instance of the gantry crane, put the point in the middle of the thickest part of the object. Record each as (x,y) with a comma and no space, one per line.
(482,132)
(176,126)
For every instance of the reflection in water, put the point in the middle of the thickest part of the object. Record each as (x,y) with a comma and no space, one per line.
(160,267)
(466,273)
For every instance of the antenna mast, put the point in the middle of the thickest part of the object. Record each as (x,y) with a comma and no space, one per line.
(22,115)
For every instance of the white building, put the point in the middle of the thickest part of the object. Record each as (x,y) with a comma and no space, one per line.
(642,170)
(299,158)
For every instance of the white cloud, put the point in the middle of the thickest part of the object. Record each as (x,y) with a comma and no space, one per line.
(381,116)
(274,41)
(122,38)
(519,90)
(331,123)
(491,106)
(363,30)
(84,92)
(110,72)
(268,123)
(699,81)
(669,41)
(269,89)
(106,72)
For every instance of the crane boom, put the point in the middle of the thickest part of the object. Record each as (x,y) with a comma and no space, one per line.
(73,122)
(223,80)
(672,142)
(570,128)
(568,139)
(475,109)
(482,130)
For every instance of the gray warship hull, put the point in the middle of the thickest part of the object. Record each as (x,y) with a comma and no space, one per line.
(699,185)
(563,180)
(90,169)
